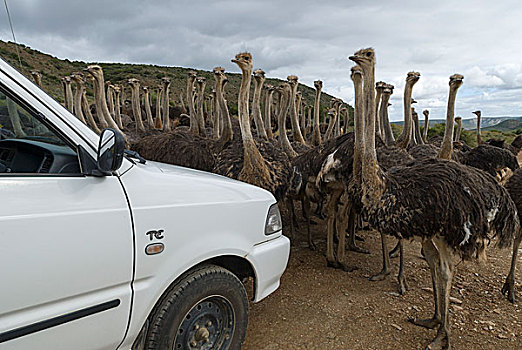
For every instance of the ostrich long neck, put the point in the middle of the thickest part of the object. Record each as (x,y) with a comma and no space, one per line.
(331,126)
(226,134)
(378,108)
(284,143)
(200,99)
(338,119)
(418,136)
(459,130)
(99,107)
(426,127)
(88,114)
(268,112)
(69,96)
(78,102)
(190,102)
(404,138)
(447,143)
(136,109)
(316,132)
(165,100)
(159,121)
(358,148)
(479,136)
(103,110)
(110,99)
(298,137)
(243,110)
(309,120)
(388,133)
(260,126)
(117,112)
(148,111)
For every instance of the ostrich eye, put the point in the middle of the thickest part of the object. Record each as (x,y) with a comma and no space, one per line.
(368,54)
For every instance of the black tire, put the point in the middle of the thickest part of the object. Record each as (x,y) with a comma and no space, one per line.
(199,311)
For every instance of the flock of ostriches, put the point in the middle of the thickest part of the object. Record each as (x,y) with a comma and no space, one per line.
(455,199)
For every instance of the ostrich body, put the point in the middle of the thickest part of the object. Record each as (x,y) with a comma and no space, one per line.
(259,79)
(201,82)
(296,130)
(101,103)
(413,201)
(165,82)
(316,132)
(514,147)
(136,108)
(37,77)
(426,125)
(78,93)
(146,104)
(269,94)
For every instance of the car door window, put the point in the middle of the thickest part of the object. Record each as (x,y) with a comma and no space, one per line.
(29,146)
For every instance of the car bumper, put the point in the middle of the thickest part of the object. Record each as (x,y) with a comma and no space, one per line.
(269,260)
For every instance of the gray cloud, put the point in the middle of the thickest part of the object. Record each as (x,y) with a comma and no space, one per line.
(308,38)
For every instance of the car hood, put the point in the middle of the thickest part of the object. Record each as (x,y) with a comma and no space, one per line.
(185,185)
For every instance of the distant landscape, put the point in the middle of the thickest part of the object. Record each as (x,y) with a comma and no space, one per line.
(486,123)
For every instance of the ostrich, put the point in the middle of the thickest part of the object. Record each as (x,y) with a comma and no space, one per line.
(316,133)
(271,170)
(191,78)
(201,82)
(136,108)
(418,137)
(225,122)
(458,120)
(332,119)
(379,105)
(309,122)
(216,115)
(413,202)
(426,125)
(387,130)
(479,137)
(300,113)
(37,77)
(267,104)
(146,104)
(117,106)
(158,122)
(101,103)
(337,105)
(86,109)
(296,131)
(68,94)
(78,93)
(285,94)
(259,79)
(165,81)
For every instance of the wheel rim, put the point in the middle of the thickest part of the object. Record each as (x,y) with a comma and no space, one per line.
(209,324)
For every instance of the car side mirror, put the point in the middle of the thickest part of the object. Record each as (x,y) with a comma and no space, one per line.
(110,151)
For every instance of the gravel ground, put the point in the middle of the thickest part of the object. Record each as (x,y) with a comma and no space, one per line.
(324,308)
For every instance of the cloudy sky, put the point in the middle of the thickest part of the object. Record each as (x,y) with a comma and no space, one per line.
(480,39)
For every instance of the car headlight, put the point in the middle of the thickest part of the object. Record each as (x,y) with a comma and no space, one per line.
(273,220)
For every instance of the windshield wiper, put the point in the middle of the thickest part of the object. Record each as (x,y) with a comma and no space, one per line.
(135,155)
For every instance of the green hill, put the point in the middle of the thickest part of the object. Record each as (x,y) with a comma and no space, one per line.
(53,69)
(506,125)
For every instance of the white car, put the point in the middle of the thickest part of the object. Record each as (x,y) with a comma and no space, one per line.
(101,250)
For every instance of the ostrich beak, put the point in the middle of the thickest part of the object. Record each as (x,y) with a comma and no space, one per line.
(234,60)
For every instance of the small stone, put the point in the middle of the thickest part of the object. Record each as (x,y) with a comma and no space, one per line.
(455,300)
(399,328)
(414,307)
(502,336)
(497,311)
(458,308)
(394,294)
(426,289)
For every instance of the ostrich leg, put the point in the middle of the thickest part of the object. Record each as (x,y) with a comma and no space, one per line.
(306,213)
(332,211)
(403,285)
(509,286)
(352,236)
(432,257)
(385,262)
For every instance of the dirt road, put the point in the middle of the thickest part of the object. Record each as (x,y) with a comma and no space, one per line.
(323,308)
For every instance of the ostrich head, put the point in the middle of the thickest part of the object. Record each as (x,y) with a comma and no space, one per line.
(380,86)
(191,76)
(36,73)
(426,112)
(356,73)
(244,61)
(145,89)
(96,72)
(413,101)
(134,83)
(299,94)
(292,80)
(412,78)
(269,88)
(318,84)
(200,82)
(218,70)
(364,57)
(117,88)
(77,77)
(477,113)
(259,75)
(456,81)
(66,80)
(165,81)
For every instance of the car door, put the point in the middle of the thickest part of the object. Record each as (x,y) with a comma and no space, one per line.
(66,240)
